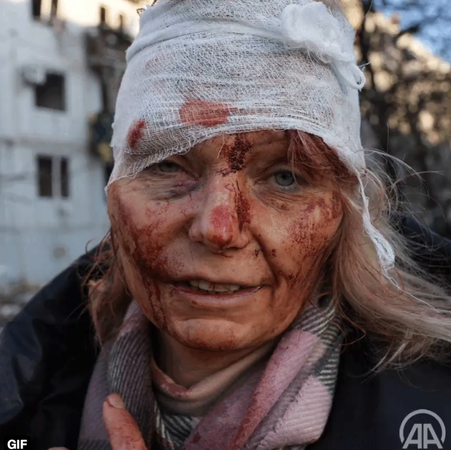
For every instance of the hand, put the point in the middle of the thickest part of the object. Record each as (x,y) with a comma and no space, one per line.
(121,427)
(122,430)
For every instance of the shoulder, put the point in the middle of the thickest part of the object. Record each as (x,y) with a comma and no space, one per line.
(49,343)
(369,409)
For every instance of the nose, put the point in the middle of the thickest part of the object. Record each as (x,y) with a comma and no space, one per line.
(218,224)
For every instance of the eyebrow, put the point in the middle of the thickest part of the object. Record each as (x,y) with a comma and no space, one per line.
(281,155)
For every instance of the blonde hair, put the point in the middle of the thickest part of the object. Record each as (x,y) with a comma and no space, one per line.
(408,320)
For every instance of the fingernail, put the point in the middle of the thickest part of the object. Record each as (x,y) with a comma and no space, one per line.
(115,401)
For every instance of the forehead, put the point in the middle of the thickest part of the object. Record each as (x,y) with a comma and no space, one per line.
(256,142)
(253,137)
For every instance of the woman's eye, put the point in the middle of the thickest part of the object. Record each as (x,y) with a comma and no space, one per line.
(168,167)
(285,178)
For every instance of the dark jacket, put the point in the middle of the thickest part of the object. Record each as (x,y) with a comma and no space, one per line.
(48,351)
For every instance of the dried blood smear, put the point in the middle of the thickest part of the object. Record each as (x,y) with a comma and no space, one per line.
(148,258)
(243,209)
(236,155)
(135,134)
(206,114)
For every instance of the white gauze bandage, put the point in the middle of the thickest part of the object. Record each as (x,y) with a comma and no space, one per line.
(202,68)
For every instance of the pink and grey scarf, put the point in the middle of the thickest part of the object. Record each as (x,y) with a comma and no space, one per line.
(284,404)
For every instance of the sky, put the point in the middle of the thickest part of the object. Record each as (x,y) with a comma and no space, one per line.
(434,15)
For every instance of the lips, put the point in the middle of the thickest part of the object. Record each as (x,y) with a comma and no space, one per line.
(197,282)
(207,287)
(213,301)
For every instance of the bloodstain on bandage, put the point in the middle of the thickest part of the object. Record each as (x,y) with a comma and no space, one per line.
(135,134)
(206,114)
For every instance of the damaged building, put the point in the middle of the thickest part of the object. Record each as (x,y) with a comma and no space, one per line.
(61,65)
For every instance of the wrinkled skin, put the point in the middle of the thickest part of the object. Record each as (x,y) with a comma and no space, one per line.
(230,211)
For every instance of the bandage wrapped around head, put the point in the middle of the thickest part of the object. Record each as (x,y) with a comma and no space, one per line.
(202,68)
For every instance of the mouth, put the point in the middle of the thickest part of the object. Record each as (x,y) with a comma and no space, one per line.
(209,296)
(209,288)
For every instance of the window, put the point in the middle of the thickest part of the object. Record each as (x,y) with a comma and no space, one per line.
(52,93)
(121,22)
(64,177)
(36,9)
(103,18)
(44,9)
(45,170)
(53,176)
(54,9)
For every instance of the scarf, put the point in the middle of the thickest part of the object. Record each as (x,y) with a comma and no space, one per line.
(200,397)
(284,403)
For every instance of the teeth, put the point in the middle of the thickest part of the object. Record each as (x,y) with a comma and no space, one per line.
(205,285)
(226,287)
(211,288)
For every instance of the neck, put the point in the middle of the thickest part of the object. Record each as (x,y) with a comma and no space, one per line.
(189,366)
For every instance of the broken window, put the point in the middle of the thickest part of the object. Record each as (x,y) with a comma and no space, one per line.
(54,9)
(36,8)
(121,23)
(44,9)
(64,177)
(45,174)
(53,176)
(103,18)
(52,93)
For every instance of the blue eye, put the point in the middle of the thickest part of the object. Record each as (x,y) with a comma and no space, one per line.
(285,178)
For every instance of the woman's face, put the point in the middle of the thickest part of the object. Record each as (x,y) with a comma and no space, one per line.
(221,247)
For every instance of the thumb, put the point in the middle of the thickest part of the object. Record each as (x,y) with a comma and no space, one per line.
(122,429)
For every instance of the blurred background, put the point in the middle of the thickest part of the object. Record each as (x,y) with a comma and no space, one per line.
(61,63)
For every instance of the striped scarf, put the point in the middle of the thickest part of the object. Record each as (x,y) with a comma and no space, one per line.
(283,405)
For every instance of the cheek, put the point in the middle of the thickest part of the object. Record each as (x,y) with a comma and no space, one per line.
(135,228)
(295,240)
(142,233)
(315,228)
(305,235)
(316,224)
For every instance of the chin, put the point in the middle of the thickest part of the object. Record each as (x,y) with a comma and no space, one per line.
(211,334)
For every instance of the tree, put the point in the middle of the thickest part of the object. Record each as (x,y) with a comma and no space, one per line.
(407,100)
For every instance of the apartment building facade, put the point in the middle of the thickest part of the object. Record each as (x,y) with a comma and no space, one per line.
(52,92)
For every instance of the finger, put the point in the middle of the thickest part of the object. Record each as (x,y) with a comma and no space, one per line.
(122,430)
